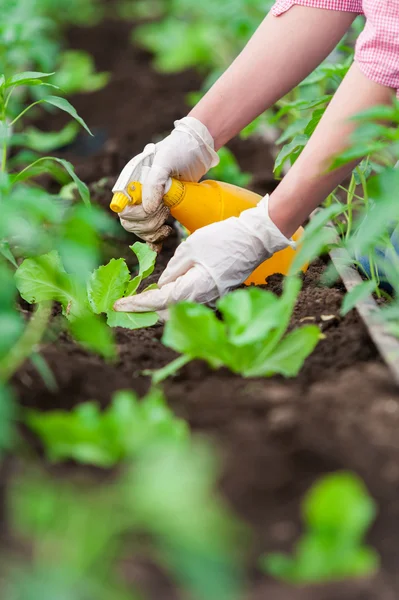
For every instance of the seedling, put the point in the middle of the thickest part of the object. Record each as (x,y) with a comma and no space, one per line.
(337,512)
(105,438)
(250,340)
(44,278)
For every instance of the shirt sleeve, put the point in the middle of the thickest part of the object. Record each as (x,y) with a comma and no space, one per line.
(377,47)
(355,6)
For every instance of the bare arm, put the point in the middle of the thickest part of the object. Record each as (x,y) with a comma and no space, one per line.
(308,183)
(282,52)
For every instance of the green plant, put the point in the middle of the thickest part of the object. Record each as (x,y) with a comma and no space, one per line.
(251,340)
(44,278)
(228,170)
(371,214)
(197,539)
(75,72)
(36,222)
(337,512)
(31,37)
(113,281)
(163,507)
(104,438)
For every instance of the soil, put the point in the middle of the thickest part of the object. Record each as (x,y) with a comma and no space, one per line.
(275,436)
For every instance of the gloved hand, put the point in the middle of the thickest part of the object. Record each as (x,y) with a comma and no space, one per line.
(213,261)
(187,154)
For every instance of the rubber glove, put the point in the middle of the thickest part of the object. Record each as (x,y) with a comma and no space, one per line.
(187,153)
(213,261)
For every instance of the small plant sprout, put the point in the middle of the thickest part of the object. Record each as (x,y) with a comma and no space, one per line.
(251,339)
(337,512)
(104,438)
(44,278)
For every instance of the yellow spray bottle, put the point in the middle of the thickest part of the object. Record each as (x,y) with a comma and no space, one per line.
(195,205)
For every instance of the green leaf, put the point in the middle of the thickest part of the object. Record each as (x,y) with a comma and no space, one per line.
(26,78)
(290,151)
(11,321)
(107,284)
(249,315)
(67,107)
(43,278)
(249,338)
(339,503)
(76,73)
(44,165)
(94,334)
(377,113)
(313,246)
(146,257)
(41,141)
(355,152)
(5,251)
(290,354)
(314,121)
(131,320)
(357,294)
(194,329)
(292,130)
(301,104)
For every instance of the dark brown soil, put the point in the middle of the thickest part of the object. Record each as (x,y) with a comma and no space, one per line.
(275,436)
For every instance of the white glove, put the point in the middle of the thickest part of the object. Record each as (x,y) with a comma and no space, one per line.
(187,153)
(213,261)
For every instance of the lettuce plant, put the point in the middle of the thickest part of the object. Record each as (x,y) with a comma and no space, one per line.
(104,438)
(337,512)
(251,339)
(44,278)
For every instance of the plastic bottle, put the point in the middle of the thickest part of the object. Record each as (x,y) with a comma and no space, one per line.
(195,205)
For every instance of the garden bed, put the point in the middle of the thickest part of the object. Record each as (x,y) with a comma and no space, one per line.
(274,436)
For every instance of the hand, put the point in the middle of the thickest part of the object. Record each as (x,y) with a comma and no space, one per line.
(187,153)
(213,261)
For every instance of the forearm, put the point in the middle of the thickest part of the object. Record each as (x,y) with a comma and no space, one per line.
(309,181)
(282,52)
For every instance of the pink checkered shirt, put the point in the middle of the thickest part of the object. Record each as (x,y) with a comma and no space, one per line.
(377,48)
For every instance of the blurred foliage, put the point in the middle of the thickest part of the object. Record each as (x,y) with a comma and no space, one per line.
(163,507)
(31,38)
(104,438)
(228,170)
(35,222)
(337,512)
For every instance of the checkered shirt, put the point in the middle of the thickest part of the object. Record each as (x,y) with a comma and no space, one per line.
(377,48)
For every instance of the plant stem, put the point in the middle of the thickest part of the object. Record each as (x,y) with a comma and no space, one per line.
(374,274)
(21,114)
(26,344)
(351,192)
(3,120)
(170,369)
(364,185)
(4,158)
